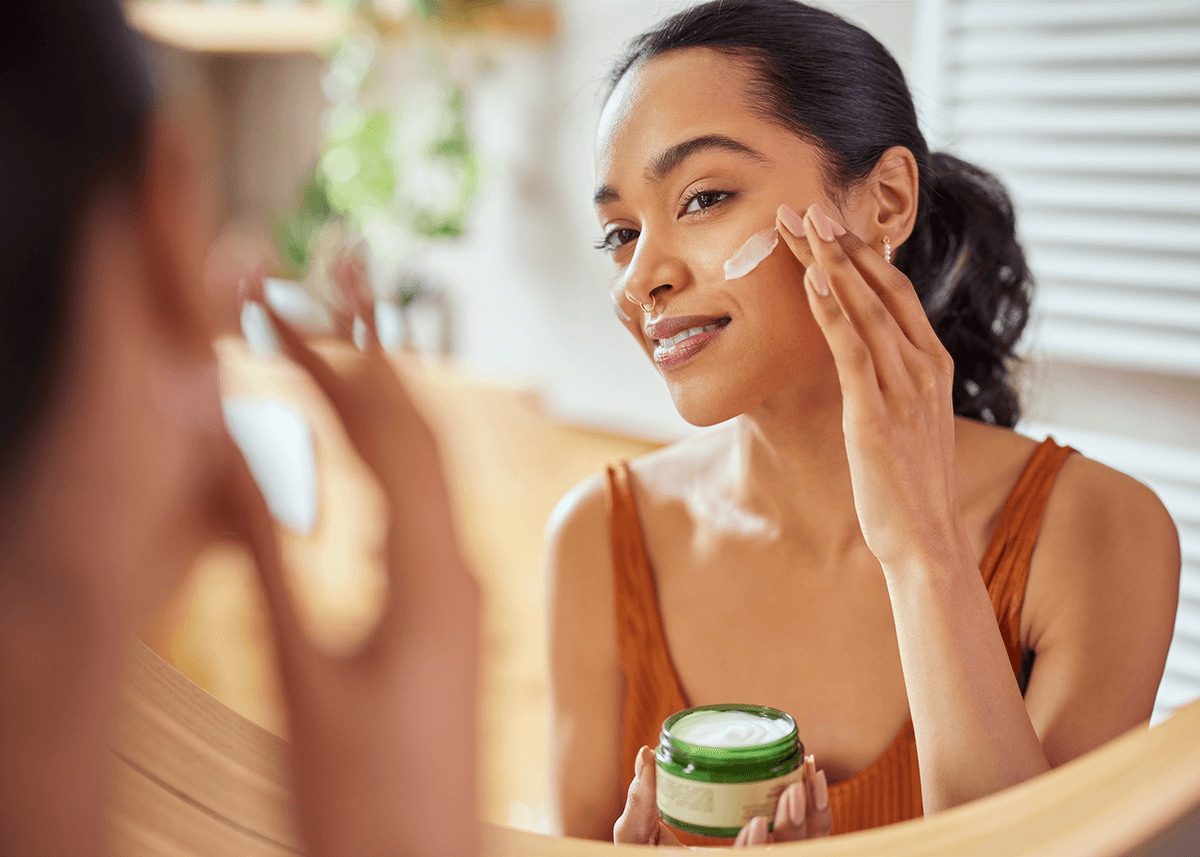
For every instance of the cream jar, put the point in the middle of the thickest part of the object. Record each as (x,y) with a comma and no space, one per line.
(718,766)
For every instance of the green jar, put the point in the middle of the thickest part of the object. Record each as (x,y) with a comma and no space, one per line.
(712,791)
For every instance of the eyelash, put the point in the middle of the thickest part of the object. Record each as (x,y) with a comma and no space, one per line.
(723,194)
(606,244)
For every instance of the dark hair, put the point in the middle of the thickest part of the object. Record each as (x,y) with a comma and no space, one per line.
(836,86)
(74,98)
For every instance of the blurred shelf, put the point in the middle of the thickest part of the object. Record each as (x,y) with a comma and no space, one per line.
(287,28)
(238,27)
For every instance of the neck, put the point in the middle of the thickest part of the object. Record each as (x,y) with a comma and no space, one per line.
(793,466)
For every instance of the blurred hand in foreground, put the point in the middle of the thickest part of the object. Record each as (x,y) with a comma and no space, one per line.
(383,741)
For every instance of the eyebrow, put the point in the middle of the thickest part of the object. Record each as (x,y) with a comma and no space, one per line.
(670,159)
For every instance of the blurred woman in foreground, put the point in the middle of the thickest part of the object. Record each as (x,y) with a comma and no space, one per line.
(117,470)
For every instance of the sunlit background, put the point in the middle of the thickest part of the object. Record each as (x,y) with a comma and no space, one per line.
(456,138)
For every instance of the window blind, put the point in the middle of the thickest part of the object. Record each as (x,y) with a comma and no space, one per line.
(1090,115)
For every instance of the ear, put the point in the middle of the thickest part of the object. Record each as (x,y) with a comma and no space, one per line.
(893,195)
(177,228)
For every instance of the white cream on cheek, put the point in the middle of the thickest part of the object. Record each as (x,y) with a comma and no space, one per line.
(729,729)
(758,246)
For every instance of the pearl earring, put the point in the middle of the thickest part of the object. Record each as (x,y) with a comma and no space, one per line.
(887,249)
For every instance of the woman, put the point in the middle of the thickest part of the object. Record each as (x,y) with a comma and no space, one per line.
(863,542)
(117,470)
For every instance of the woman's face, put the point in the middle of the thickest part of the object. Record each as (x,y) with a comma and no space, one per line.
(687,172)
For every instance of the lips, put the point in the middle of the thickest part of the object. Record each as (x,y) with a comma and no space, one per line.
(679,339)
(668,327)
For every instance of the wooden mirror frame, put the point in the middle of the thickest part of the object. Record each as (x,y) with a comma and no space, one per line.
(191,776)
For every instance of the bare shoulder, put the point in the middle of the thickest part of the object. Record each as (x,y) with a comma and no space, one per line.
(1106,544)
(580,515)
(1112,523)
(578,560)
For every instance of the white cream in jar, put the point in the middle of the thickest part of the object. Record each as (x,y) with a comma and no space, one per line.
(729,729)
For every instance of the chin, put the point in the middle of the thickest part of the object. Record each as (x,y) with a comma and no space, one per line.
(704,405)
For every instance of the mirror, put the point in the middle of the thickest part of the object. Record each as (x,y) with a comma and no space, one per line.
(540,316)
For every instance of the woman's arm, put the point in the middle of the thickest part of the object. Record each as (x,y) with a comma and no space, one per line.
(585,675)
(973,730)
(1099,613)
(1099,608)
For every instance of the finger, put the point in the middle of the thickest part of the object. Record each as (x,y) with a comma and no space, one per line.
(374,405)
(790,814)
(820,816)
(866,312)
(892,288)
(787,224)
(740,840)
(855,367)
(754,833)
(638,824)
(665,838)
(300,352)
(394,441)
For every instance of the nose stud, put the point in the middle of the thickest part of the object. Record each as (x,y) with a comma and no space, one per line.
(645,309)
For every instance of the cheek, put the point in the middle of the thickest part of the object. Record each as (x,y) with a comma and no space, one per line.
(776,290)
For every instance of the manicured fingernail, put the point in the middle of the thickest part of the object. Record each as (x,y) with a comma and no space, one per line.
(819,283)
(791,220)
(838,229)
(827,228)
(277,443)
(358,332)
(810,765)
(797,805)
(639,763)
(759,827)
(820,791)
(259,330)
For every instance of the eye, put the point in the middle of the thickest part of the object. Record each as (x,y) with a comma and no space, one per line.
(616,239)
(704,199)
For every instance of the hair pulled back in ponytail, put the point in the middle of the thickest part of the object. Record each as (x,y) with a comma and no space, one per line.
(837,87)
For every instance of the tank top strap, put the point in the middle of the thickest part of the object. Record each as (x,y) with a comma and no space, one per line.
(652,687)
(1005,566)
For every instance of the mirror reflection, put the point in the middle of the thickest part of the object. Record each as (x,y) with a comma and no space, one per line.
(798,487)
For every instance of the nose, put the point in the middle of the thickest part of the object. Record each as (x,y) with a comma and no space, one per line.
(651,277)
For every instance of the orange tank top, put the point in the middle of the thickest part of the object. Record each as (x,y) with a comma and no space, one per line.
(889,789)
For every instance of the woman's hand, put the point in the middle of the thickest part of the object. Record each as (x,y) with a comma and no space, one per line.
(802,811)
(382,741)
(896,380)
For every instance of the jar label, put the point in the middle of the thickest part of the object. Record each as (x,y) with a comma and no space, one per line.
(722,805)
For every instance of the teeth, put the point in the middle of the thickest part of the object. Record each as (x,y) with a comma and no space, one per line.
(691,331)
